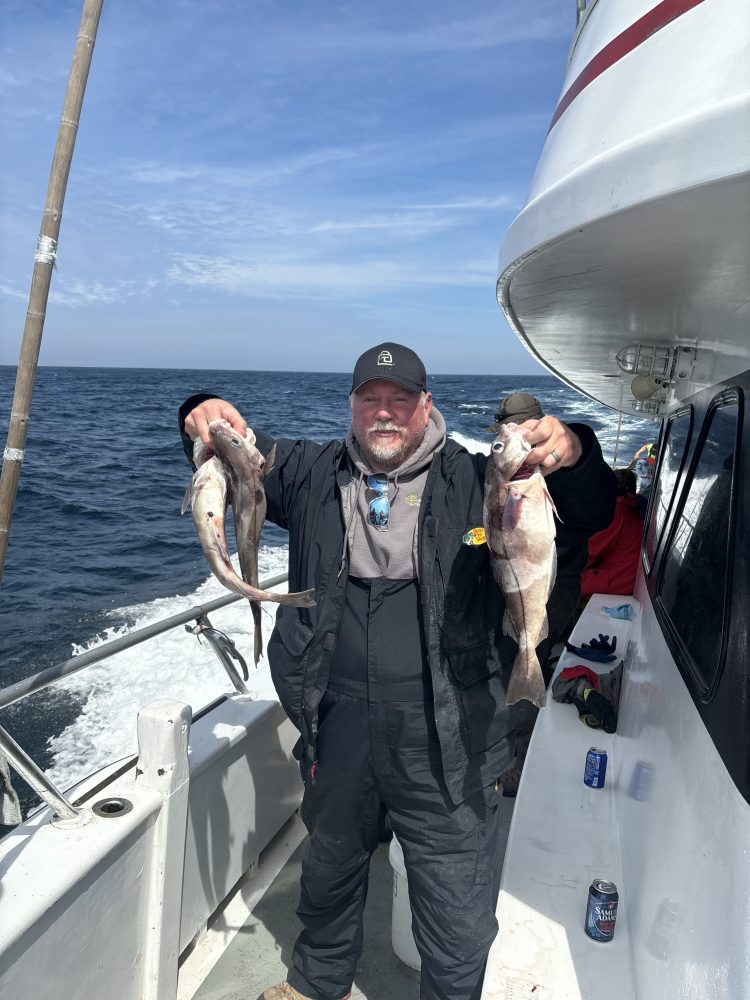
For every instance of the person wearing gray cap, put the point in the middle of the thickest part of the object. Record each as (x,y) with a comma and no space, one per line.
(396,680)
(516,408)
(572,556)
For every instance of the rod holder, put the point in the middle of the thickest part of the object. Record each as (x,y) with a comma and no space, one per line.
(224,648)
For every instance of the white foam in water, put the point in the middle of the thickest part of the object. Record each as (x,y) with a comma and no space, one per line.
(173,665)
(471,444)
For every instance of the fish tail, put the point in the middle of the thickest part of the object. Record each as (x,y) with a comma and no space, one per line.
(301,599)
(257,633)
(526,680)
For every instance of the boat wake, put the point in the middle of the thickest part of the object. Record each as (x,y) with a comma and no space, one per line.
(173,665)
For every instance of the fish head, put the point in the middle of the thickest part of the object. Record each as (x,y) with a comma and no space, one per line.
(508,453)
(233,449)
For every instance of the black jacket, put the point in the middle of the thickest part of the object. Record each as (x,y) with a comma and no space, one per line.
(462,607)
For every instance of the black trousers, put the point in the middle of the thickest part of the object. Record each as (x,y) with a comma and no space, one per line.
(376,755)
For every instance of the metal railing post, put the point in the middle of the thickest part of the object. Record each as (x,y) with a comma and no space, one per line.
(38,780)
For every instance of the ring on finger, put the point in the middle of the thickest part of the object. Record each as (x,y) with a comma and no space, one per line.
(555,455)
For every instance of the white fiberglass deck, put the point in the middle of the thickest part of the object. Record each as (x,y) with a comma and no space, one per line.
(261,949)
(562,837)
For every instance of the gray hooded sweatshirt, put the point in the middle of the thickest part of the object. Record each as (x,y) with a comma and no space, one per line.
(391,552)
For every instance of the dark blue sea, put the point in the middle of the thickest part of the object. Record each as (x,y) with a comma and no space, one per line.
(97,544)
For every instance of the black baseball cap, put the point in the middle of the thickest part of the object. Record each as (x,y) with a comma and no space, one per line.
(393,362)
(516,408)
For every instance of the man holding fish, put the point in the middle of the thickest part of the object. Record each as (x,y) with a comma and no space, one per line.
(395,678)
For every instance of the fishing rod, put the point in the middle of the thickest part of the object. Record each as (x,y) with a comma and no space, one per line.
(44,261)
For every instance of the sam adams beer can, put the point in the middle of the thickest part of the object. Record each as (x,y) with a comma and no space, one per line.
(601,912)
(596,768)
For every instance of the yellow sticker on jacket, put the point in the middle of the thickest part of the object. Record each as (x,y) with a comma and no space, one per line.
(475,536)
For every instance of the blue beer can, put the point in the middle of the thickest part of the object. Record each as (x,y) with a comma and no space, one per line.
(596,768)
(601,912)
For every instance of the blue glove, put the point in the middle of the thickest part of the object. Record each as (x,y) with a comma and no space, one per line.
(624,611)
(599,650)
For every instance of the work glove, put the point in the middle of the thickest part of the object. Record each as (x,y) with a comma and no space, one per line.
(601,709)
(599,650)
(624,611)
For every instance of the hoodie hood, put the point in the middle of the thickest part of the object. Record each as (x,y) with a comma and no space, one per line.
(390,552)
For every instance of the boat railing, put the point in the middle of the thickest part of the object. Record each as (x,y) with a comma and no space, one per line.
(224,648)
(583,11)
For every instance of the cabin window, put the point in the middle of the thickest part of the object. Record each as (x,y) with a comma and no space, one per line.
(693,585)
(673,447)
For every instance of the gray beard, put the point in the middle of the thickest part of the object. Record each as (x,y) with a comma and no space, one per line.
(384,458)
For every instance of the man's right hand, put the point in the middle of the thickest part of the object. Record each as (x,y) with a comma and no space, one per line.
(197,421)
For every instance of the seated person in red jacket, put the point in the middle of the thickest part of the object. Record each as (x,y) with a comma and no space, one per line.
(614,552)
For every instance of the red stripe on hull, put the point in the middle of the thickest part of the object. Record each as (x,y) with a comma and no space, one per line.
(621,45)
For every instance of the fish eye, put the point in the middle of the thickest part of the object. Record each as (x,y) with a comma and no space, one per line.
(498,447)
(236,443)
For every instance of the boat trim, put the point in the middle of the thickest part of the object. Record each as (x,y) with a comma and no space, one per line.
(620,46)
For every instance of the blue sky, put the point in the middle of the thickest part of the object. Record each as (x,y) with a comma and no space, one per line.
(276,185)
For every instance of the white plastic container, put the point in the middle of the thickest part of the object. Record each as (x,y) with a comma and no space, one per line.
(402,938)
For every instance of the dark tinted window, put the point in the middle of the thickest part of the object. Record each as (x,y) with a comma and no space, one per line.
(692,590)
(672,453)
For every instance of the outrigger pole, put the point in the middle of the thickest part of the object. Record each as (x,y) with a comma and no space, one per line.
(44,262)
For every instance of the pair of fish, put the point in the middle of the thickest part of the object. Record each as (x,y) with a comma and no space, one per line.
(231,470)
(520,531)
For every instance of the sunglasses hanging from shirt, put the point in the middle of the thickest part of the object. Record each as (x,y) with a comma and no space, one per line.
(380,506)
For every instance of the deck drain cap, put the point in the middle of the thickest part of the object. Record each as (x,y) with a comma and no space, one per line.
(112,807)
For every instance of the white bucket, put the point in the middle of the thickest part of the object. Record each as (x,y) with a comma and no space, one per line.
(402,938)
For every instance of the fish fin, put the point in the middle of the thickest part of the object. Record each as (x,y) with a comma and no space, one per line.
(508,626)
(302,599)
(544,630)
(552,571)
(551,502)
(526,681)
(270,459)
(512,511)
(188,498)
(257,633)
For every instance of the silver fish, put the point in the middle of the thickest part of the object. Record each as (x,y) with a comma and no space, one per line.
(520,531)
(232,472)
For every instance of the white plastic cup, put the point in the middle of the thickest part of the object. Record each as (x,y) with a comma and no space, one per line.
(402,938)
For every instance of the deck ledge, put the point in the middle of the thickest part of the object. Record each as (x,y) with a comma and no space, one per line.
(561,838)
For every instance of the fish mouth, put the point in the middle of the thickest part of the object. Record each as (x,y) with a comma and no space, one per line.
(523,472)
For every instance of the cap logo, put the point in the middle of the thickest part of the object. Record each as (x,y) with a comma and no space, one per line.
(385,358)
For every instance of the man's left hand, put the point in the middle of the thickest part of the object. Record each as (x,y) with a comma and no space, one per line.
(554,445)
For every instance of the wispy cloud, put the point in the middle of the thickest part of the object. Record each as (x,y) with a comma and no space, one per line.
(9,291)
(498,30)
(362,156)
(82,293)
(294,279)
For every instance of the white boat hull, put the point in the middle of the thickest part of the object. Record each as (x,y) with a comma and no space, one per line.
(637,225)
(135,889)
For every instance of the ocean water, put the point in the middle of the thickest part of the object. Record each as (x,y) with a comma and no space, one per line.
(98,547)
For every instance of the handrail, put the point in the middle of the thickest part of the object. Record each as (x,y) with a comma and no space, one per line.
(65,812)
(43,679)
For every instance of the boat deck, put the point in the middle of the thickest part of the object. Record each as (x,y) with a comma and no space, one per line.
(261,950)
